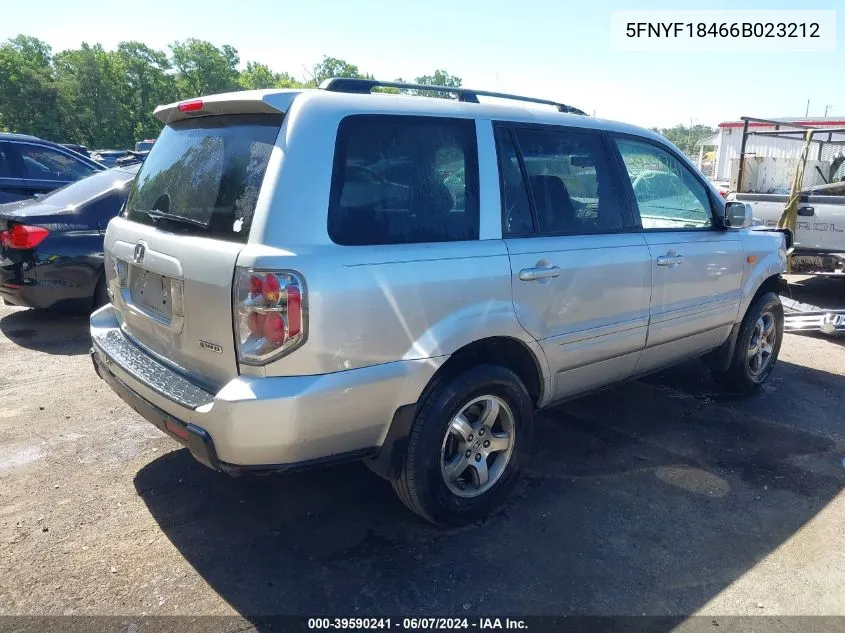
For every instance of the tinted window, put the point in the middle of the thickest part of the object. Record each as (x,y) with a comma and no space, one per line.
(516,209)
(6,168)
(667,194)
(399,180)
(571,182)
(205,174)
(43,163)
(102,210)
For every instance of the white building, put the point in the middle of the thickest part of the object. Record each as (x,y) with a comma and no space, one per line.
(730,139)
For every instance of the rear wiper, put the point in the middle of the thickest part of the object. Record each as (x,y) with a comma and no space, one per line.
(163,215)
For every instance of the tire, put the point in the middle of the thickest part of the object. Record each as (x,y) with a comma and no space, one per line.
(427,483)
(101,295)
(746,373)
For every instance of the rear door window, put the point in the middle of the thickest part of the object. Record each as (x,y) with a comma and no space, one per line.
(203,175)
(8,163)
(516,207)
(403,179)
(44,163)
(571,181)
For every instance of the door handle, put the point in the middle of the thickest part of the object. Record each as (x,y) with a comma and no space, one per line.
(806,211)
(533,274)
(670,259)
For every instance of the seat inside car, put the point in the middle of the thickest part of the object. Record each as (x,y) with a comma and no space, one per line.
(555,210)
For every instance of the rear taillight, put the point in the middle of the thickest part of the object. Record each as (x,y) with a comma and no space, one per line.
(24,237)
(269,310)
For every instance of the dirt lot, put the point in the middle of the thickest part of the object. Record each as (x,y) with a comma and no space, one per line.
(662,496)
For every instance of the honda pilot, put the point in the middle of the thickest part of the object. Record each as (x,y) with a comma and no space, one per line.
(303,277)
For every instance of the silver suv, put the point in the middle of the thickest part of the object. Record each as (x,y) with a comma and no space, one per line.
(302,277)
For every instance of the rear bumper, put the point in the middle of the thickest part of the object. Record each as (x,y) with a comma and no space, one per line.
(253,423)
(50,281)
(36,295)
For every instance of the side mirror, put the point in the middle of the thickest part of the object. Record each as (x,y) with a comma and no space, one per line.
(738,215)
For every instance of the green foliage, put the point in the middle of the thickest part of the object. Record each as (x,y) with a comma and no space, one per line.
(105,99)
(334,67)
(685,137)
(148,83)
(439,78)
(204,69)
(29,100)
(92,89)
(258,76)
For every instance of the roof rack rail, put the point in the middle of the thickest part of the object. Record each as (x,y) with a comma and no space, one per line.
(467,95)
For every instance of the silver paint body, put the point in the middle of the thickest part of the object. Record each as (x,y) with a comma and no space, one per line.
(383,319)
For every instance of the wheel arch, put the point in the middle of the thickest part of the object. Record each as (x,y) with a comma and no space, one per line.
(506,351)
(720,358)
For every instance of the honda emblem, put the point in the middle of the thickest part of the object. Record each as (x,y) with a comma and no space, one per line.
(140,250)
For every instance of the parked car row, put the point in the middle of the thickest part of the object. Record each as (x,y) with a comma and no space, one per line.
(119,157)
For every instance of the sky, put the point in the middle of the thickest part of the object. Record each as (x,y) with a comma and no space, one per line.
(553,49)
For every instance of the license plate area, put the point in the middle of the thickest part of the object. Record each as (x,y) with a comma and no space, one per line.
(151,292)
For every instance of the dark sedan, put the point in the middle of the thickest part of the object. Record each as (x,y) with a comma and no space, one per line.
(30,166)
(51,248)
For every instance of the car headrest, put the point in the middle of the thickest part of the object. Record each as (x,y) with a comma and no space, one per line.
(554,206)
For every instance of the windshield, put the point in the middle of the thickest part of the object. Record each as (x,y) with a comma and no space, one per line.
(90,187)
(208,171)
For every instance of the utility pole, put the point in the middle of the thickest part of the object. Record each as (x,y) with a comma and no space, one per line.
(807,111)
(826,108)
(689,136)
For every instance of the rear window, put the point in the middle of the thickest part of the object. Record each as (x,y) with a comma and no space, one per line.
(403,179)
(203,175)
(91,187)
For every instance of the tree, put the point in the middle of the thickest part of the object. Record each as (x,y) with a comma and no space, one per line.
(685,137)
(439,78)
(105,99)
(202,68)
(148,84)
(92,89)
(334,67)
(29,100)
(286,80)
(258,76)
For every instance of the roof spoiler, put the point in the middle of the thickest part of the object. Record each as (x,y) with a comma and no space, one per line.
(245,102)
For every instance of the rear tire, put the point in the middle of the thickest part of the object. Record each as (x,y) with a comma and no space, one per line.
(757,346)
(469,441)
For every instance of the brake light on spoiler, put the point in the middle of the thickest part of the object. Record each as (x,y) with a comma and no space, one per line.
(23,237)
(270,315)
(190,106)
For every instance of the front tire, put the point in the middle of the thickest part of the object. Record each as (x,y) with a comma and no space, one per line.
(469,441)
(757,346)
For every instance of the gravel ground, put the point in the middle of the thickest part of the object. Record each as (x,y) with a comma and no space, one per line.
(662,496)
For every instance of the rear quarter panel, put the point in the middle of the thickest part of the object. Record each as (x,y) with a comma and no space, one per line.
(374,304)
(371,305)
